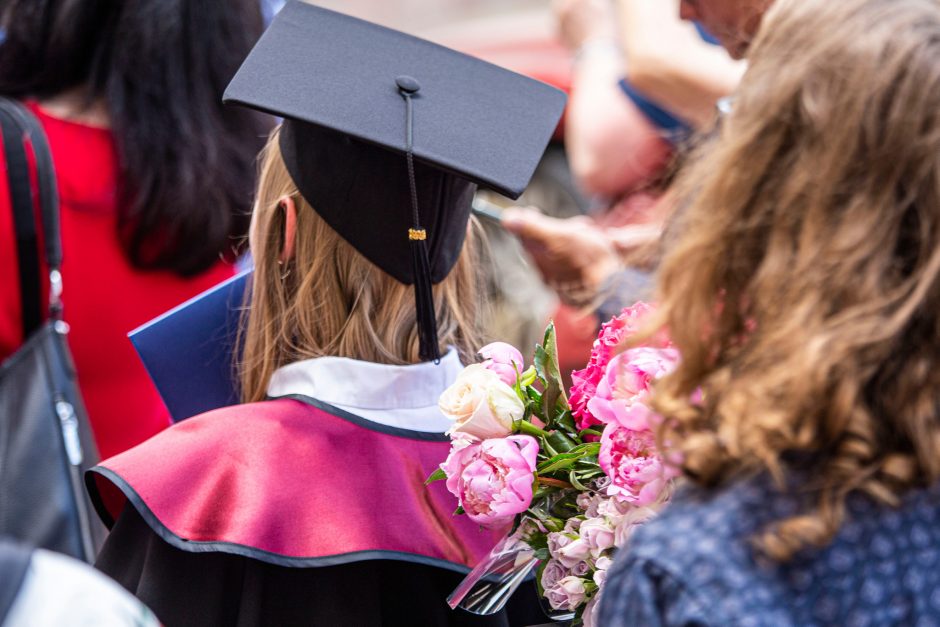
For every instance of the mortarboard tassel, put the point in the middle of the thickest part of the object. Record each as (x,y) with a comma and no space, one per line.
(429,348)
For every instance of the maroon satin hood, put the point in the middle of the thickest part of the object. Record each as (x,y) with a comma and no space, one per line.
(293,482)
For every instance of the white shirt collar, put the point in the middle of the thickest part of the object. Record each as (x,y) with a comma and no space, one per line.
(398,396)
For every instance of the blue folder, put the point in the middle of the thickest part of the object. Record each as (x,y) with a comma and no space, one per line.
(189,351)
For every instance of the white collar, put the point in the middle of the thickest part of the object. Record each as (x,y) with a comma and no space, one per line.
(400,396)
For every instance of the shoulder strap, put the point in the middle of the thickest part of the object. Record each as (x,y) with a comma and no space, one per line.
(14,560)
(21,129)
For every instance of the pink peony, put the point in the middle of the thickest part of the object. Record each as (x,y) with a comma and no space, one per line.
(503,359)
(636,470)
(611,335)
(492,479)
(567,594)
(629,376)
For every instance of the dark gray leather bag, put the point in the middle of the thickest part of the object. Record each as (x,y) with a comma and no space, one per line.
(46,442)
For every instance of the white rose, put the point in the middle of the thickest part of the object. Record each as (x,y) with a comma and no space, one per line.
(480,404)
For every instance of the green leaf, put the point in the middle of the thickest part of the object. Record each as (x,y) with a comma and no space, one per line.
(585,432)
(437,475)
(558,462)
(527,378)
(565,420)
(546,362)
(573,479)
(560,441)
(459,511)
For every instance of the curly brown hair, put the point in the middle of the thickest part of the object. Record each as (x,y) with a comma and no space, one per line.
(804,288)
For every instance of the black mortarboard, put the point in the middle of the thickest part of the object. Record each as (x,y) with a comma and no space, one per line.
(387,135)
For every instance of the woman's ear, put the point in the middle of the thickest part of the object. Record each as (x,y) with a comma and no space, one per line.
(289,207)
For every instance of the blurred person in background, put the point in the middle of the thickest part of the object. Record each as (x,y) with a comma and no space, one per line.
(643,82)
(154,175)
(40,588)
(802,292)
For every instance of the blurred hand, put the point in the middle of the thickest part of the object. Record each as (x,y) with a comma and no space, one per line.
(573,255)
(580,21)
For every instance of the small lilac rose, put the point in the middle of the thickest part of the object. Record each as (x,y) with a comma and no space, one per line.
(614,508)
(598,535)
(572,553)
(552,574)
(493,479)
(572,525)
(480,404)
(581,569)
(503,359)
(600,576)
(626,524)
(557,540)
(567,594)
(591,614)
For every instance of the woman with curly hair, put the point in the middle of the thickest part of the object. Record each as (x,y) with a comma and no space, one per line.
(803,292)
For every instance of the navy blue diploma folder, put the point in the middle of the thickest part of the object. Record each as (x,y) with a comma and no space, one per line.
(189,351)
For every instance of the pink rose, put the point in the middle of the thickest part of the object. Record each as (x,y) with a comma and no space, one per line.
(552,574)
(637,473)
(503,359)
(492,479)
(597,534)
(567,594)
(619,394)
(627,524)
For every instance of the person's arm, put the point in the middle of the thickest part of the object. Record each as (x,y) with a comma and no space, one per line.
(670,63)
(610,144)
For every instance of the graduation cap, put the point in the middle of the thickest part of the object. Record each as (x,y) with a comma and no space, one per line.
(387,136)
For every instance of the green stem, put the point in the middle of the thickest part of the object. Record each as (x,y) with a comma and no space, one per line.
(530,429)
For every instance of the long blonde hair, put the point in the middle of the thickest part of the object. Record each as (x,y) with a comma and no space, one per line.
(804,288)
(328,300)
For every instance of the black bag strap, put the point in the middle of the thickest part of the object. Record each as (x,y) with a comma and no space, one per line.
(21,129)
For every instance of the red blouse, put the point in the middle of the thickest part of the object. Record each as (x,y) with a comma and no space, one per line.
(104,296)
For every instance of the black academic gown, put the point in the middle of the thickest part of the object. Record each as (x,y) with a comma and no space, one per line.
(220,589)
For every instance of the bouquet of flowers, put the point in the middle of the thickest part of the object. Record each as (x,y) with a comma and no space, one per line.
(570,478)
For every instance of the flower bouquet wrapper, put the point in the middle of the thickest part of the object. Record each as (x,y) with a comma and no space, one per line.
(486,589)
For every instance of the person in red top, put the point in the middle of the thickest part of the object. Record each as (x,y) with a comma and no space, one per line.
(154,176)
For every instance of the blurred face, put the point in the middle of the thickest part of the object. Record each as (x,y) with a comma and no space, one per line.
(733,22)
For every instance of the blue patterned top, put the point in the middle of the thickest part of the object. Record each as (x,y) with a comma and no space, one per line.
(693,565)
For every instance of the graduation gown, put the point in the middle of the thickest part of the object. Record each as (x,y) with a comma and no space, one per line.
(290,512)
